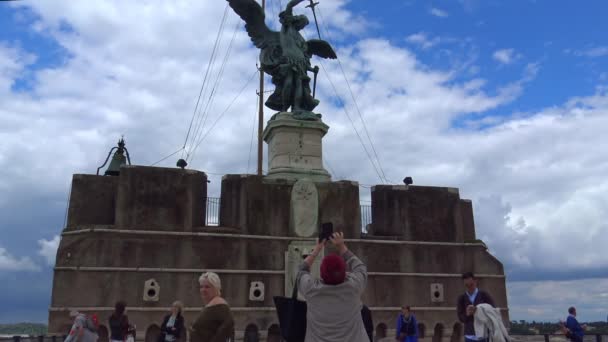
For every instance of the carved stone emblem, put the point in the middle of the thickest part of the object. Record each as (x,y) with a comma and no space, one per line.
(304,208)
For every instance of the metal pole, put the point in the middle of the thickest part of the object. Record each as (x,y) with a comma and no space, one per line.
(261,114)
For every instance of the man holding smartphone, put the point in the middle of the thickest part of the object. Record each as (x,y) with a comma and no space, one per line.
(467,302)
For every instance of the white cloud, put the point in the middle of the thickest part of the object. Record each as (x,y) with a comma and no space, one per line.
(438,12)
(506,56)
(537,178)
(423,40)
(550,300)
(11,263)
(594,52)
(48,249)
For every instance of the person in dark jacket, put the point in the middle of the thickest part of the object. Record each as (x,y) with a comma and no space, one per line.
(466,306)
(368,323)
(407,326)
(173,324)
(119,323)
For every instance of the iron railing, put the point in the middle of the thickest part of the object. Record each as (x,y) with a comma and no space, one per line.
(366,217)
(212,218)
(213,211)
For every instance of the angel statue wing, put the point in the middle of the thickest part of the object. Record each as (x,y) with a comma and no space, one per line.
(262,37)
(321,48)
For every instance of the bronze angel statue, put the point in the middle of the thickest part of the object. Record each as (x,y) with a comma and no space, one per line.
(285,56)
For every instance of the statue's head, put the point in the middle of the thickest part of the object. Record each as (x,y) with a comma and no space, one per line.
(298,21)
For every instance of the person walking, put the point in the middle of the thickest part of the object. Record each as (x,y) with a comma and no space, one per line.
(334,305)
(215,323)
(173,323)
(466,306)
(407,326)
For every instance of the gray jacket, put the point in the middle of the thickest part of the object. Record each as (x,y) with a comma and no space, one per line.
(334,311)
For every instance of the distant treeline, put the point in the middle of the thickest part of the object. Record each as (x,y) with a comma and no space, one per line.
(34,329)
(533,328)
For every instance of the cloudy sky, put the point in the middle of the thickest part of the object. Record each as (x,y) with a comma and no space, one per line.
(506,100)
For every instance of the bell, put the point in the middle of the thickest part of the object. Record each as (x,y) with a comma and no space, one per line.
(117,160)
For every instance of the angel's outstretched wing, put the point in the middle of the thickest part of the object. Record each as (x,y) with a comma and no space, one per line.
(321,48)
(253,15)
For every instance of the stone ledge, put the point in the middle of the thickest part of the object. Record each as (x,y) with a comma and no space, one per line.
(263,237)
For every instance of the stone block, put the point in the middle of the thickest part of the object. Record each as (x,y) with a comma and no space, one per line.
(92,201)
(255,206)
(160,198)
(419,213)
(295,148)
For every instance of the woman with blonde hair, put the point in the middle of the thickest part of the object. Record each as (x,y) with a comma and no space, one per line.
(215,323)
(173,323)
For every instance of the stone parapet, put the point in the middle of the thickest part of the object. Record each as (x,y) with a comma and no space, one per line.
(140,197)
(421,213)
(262,206)
(92,201)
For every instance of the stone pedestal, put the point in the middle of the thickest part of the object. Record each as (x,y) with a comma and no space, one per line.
(295,149)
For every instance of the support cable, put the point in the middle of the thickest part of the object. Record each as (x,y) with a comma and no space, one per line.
(169,156)
(255,117)
(343,105)
(355,102)
(210,65)
(223,113)
(218,80)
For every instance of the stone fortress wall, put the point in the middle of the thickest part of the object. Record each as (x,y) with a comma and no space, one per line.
(140,237)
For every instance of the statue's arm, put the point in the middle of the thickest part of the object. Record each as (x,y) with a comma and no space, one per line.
(291,4)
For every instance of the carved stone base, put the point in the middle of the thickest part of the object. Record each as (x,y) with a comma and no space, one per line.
(295,148)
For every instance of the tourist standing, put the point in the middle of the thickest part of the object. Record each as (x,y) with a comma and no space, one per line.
(173,323)
(333,311)
(572,329)
(215,323)
(119,322)
(407,326)
(466,306)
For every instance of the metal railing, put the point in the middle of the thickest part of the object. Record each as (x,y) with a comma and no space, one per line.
(366,217)
(212,211)
(212,205)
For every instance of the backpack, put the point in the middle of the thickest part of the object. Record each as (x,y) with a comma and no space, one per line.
(92,323)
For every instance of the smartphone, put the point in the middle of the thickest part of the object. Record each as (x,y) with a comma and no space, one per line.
(327,229)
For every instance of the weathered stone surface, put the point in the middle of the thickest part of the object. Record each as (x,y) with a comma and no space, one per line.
(160,198)
(304,208)
(92,200)
(235,252)
(295,148)
(420,213)
(262,206)
(468,223)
